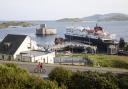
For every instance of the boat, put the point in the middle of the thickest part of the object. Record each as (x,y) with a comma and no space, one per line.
(96,37)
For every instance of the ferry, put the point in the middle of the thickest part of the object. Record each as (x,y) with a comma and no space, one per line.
(96,36)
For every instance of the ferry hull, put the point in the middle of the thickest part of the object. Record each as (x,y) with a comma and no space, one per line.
(101,46)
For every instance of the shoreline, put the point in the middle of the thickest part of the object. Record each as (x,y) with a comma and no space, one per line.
(14,24)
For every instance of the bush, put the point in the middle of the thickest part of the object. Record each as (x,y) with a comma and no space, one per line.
(91,80)
(13,77)
(123,81)
(61,75)
(88,80)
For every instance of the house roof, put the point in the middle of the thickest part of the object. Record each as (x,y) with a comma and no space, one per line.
(11,43)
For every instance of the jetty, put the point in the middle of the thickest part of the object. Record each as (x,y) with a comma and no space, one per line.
(65,44)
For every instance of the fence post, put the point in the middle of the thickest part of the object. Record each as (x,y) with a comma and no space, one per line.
(60,60)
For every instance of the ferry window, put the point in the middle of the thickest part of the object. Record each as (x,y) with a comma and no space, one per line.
(29,47)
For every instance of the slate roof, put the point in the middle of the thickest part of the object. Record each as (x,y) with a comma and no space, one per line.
(11,43)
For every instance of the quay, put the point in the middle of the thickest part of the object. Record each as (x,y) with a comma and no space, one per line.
(65,44)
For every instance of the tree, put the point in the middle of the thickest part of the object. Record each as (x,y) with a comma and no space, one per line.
(126,48)
(121,43)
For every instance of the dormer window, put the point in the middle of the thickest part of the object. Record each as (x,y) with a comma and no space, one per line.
(6,45)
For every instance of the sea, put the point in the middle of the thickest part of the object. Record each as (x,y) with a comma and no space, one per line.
(120,28)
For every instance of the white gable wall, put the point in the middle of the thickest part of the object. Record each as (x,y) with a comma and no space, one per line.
(26,45)
(34,45)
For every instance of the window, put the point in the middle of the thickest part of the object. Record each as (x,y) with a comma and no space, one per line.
(3,57)
(44,60)
(6,46)
(9,58)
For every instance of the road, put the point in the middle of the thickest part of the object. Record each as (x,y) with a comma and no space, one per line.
(30,67)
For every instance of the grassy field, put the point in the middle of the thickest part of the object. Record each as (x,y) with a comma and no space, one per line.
(105,60)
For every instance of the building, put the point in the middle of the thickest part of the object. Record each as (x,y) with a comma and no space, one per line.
(37,56)
(43,30)
(112,49)
(12,45)
(23,48)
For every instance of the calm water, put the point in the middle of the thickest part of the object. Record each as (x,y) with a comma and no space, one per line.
(120,28)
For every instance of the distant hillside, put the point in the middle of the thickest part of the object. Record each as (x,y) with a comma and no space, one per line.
(70,20)
(107,17)
(92,18)
(99,17)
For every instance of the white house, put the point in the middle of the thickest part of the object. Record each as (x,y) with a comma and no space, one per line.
(37,56)
(23,48)
(12,45)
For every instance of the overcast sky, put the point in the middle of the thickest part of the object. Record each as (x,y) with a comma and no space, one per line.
(56,9)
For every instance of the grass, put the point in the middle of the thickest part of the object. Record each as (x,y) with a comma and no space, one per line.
(103,60)
(110,60)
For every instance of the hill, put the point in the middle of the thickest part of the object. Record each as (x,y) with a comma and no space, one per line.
(107,17)
(99,17)
(70,20)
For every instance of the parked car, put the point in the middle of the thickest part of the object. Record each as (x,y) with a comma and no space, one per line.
(123,53)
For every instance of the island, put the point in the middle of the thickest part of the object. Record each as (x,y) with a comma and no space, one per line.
(98,17)
(70,20)
(14,24)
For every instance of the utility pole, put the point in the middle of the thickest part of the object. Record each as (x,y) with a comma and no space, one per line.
(71,49)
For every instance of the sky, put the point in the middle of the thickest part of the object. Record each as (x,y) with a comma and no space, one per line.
(57,9)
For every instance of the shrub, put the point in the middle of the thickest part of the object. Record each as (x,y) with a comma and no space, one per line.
(91,80)
(13,77)
(123,81)
(88,80)
(61,75)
